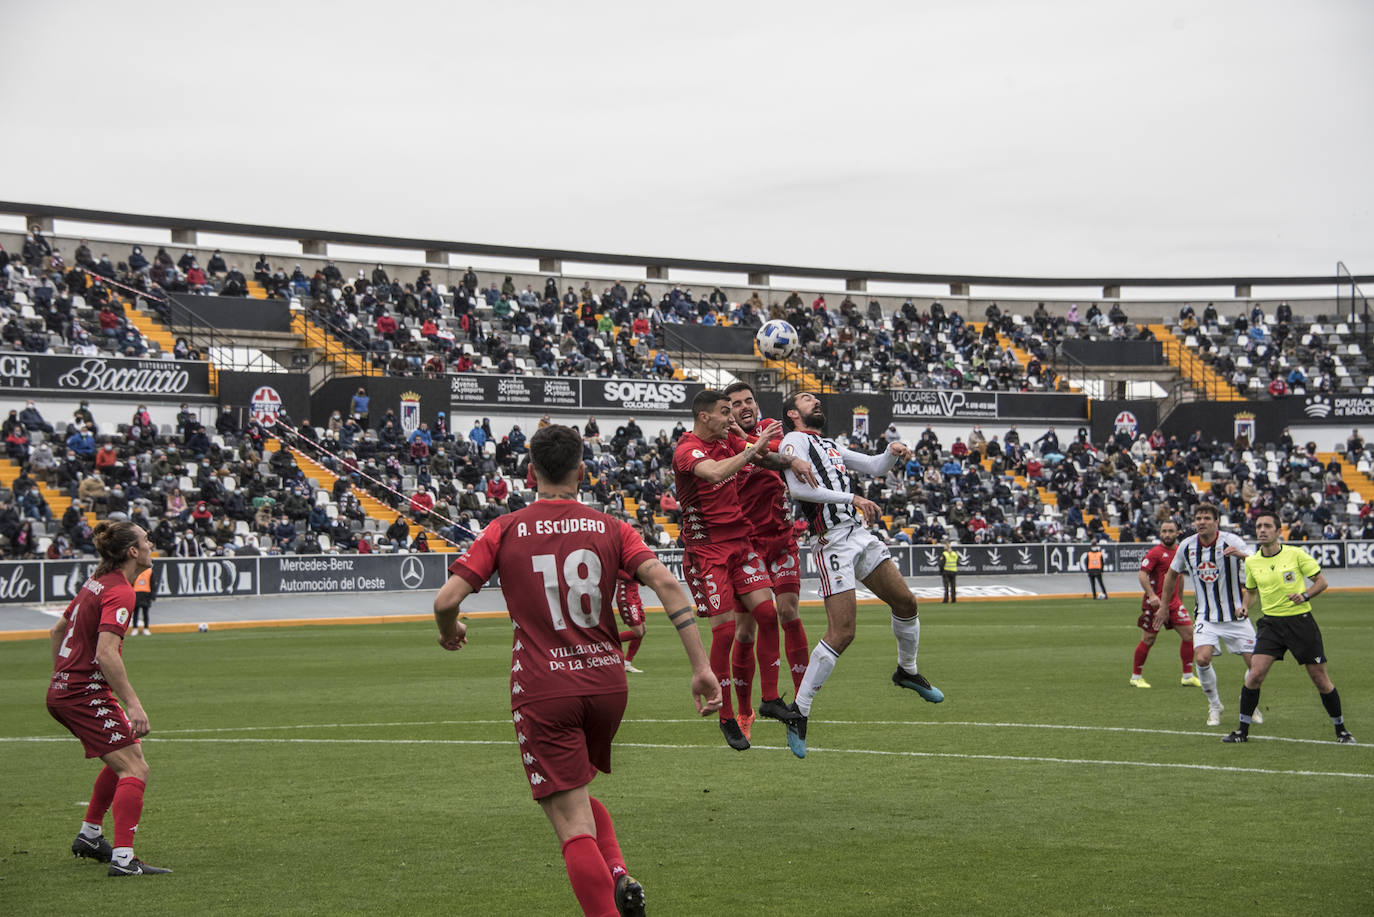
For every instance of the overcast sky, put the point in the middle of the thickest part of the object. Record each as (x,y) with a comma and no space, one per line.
(986,136)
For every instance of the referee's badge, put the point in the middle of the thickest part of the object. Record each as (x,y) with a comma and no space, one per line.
(1289,576)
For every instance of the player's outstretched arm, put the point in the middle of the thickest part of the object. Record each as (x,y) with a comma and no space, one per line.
(117,677)
(452,632)
(682,614)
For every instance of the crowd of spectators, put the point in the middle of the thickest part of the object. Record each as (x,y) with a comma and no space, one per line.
(49,306)
(222,491)
(1275,355)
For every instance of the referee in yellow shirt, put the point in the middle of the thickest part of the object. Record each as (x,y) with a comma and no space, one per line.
(1277,575)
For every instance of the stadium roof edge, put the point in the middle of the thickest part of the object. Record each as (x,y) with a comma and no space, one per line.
(550,254)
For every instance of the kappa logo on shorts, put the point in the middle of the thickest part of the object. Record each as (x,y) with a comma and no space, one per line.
(528,759)
(537,778)
(115,737)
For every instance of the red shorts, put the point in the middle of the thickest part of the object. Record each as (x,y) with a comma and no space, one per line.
(784,562)
(564,741)
(629,604)
(1177,618)
(97,720)
(716,573)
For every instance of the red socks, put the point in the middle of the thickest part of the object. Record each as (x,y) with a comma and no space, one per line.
(101,796)
(742,668)
(766,646)
(798,653)
(628,636)
(128,808)
(722,639)
(605,839)
(590,877)
(1185,652)
(1142,649)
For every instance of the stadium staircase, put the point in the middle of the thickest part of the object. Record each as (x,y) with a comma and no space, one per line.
(151,328)
(632,507)
(345,359)
(58,502)
(378,512)
(1204,380)
(803,378)
(1023,358)
(256,290)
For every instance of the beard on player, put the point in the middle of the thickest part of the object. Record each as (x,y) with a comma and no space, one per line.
(816,419)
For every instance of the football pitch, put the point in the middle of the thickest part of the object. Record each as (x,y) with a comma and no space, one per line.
(362,770)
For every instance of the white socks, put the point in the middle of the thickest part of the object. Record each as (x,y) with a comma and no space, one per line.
(123,856)
(908,634)
(1208,676)
(822,663)
(89,829)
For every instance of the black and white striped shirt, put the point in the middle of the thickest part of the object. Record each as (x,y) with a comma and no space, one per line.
(830,504)
(1217,580)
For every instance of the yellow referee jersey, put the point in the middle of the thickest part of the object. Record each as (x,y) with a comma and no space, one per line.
(1277,577)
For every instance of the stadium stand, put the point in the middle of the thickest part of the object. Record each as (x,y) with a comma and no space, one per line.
(245,488)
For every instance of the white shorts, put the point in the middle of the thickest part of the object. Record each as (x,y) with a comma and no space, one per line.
(1237,636)
(846,557)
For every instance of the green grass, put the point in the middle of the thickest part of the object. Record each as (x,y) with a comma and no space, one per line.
(893,812)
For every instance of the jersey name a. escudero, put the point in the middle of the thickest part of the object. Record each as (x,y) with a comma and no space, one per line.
(1217,579)
(710,512)
(103,604)
(559,562)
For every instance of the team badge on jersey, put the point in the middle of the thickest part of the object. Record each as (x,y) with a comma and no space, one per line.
(122,615)
(1208,572)
(697,453)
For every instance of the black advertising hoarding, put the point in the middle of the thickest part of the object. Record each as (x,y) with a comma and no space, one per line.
(33,582)
(21,582)
(97,376)
(237,313)
(534,391)
(551,392)
(1340,408)
(1039,405)
(642,395)
(924,404)
(308,574)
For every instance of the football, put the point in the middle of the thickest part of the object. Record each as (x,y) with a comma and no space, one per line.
(203,628)
(777,339)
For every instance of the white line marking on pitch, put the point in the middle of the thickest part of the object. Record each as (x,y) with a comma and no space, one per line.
(1034,759)
(670,721)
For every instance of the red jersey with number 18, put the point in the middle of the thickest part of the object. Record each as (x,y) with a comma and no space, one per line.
(558,562)
(104,603)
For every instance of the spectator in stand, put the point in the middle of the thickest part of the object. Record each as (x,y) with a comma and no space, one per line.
(1278,388)
(498,489)
(478,437)
(398,533)
(421,503)
(33,419)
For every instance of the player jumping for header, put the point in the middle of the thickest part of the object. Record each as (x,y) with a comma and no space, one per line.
(847,554)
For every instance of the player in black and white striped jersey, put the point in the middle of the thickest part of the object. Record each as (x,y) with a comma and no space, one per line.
(847,554)
(1215,561)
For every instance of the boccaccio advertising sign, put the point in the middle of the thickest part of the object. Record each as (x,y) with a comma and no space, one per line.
(103,375)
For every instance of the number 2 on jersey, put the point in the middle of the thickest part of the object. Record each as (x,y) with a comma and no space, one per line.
(546,565)
(65,649)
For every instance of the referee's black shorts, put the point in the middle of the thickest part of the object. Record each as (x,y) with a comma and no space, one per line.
(1278,634)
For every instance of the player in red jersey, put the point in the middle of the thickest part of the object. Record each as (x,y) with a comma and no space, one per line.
(763,500)
(87,676)
(727,576)
(631,608)
(1153,569)
(558,562)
